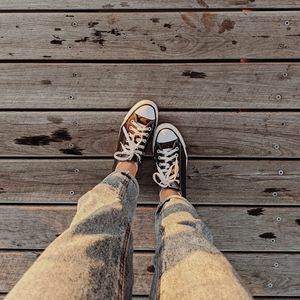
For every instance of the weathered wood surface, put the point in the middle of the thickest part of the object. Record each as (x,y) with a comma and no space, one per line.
(144,4)
(256,270)
(172,35)
(172,86)
(207,134)
(234,228)
(245,182)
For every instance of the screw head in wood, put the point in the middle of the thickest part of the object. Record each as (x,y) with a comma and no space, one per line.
(278,97)
(278,219)
(276,147)
(270,285)
(276,265)
(72,193)
(275,194)
(287,23)
(280,172)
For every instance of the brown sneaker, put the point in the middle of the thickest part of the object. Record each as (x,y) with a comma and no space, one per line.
(136,130)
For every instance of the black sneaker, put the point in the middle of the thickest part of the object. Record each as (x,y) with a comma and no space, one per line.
(136,130)
(170,157)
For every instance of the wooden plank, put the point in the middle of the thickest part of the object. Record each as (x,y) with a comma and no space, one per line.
(256,270)
(144,4)
(249,228)
(207,134)
(246,182)
(172,35)
(172,86)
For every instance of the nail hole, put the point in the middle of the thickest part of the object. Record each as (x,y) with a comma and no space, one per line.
(285,74)
(72,193)
(276,265)
(276,146)
(71,97)
(74,24)
(273,240)
(287,23)
(76,123)
(270,285)
(76,170)
(278,219)
(280,172)
(69,47)
(75,74)
(278,97)
(275,194)
(71,145)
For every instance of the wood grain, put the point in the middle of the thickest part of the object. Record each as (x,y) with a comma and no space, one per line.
(256,270)
(171,86)
(207,134)
(249,228)
(172,35)
(222,182)
(144,4)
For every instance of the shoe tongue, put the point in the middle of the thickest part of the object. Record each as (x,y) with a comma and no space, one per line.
(167,145)
(142,120)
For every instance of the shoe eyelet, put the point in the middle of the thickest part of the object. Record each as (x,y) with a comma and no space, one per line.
(147,135)
(149,129)
(130,127)
(131,121)
(177,148)
(158,151)
(176,155)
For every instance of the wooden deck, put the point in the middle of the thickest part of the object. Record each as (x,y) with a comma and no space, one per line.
(226,72)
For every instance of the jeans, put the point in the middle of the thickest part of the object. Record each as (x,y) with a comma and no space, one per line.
(92,259)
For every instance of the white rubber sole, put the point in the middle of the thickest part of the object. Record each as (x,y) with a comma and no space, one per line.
(176,131)
(138,105)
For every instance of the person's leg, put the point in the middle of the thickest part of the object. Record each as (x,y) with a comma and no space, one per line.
(92,259)
(187,265)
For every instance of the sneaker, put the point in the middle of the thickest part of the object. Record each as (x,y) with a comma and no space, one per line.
(170,157)
(135,132)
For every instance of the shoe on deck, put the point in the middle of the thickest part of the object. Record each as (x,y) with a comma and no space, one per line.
(170,157)
(136,130)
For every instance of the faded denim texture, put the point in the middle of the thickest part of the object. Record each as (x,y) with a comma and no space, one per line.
(92,259)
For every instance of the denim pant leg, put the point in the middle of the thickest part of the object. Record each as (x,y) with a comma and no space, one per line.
(92,259)
(187,265)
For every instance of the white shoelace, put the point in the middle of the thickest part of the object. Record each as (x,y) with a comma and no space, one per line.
(167,170)
(135,142)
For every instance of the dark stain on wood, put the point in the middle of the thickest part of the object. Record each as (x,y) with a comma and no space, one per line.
(17,26)
(43,140)
(92,24)
(11,54)
(108,6)
(261,36)
(125,4)
(55,120)
(188,21)
(72,151)
(272,190)
(151,269)
(99,38)
(155,20)
(47,56)
(83,40)
(163,48)
(234,42)
(267,235)
(57,40)
(226,25)
(2,191)
(193,74)
(202,3)
(255,211)
(57,29)
(208,20)
(297,221)
(167,25)
(46,82)
(69,16)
